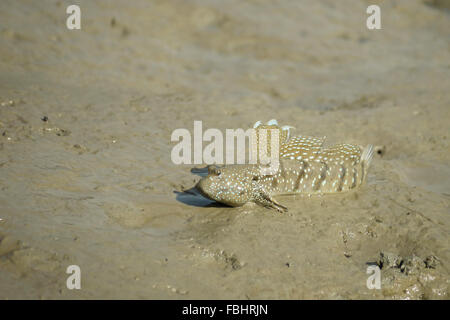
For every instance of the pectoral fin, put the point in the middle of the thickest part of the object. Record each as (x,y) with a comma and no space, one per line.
(264,199)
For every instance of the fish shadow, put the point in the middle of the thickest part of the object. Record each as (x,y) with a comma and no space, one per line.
(201,172)
(192,197)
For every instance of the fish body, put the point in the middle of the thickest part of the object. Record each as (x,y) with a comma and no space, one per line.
(304,167)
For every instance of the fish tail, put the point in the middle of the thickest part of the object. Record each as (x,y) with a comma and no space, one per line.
(367,155)
(366,159)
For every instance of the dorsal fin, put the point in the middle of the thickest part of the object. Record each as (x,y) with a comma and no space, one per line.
(302,148)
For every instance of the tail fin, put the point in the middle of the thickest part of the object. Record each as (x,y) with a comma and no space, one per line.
(366,159)
(367,155)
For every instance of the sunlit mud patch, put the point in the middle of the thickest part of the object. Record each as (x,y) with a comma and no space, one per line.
(432,177)
(152,215)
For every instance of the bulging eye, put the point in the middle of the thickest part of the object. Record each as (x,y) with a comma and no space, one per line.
(214,170)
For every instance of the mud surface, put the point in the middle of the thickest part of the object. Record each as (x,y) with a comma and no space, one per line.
(86,176)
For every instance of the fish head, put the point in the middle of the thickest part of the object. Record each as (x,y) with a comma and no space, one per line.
(232,185)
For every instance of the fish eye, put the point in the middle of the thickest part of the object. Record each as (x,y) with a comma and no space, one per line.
(213,170)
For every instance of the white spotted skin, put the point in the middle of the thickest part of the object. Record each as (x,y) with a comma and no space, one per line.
(232,185)
(236,185)
(305,167)
(301,148)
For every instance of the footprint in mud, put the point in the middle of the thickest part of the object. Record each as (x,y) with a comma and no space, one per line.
(127,216)
(155,215)
(36,259)
(22,259)
(230,261)
(8,245)
(222,258)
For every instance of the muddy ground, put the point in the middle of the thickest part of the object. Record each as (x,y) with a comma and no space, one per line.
(86,176)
